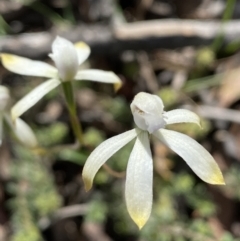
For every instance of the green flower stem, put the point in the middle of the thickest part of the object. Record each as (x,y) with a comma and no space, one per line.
(71,105)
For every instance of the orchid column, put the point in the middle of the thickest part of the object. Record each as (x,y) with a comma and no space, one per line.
(67,58)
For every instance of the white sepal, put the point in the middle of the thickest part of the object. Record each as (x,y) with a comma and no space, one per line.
(24,66)
(139,181)
(102,153)
(1,128)
(197,157)
(147,112)
(181,116)
(83,51)
(25,134)
(33,97)
(65,57)
(99,76)
(4,98)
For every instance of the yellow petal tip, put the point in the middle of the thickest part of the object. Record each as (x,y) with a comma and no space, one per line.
(7,58)
(139,218)
(220,182)
(81,45)
(87,183)
(13,117)
(217,179)
(117,86)
(140,222)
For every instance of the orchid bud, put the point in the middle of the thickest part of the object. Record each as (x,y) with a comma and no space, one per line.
(4,97)
(148,112)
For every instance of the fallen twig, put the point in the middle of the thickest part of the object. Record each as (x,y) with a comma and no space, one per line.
(145,35)
(65,212)
(218,113)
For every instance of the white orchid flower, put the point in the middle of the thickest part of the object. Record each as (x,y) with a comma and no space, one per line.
(21,129)
(150,118)
(67,58)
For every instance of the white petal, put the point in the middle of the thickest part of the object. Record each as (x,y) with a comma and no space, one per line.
(102,153)
(139,181)
(83,51)
(24,133)
(26,66)
(147,112)
(4,97)
(65,56)
(1,128)
(99,76)
(180,116)
(197,157)
(33,97)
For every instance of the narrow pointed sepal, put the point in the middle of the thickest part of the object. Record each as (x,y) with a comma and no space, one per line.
(1,128)
(33,97)
(25,66)
(99,76)
(139,181)
(195,155)
(117,85)
(25,134)
(181,116)
(102,153)
(4,98)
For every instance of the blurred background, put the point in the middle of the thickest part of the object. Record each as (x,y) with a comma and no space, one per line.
(187,52)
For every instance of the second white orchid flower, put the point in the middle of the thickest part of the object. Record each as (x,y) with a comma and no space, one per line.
(150,118)
(67,58)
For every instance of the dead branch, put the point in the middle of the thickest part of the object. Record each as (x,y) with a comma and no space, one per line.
(62,213)
(217,113)
(146,35)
